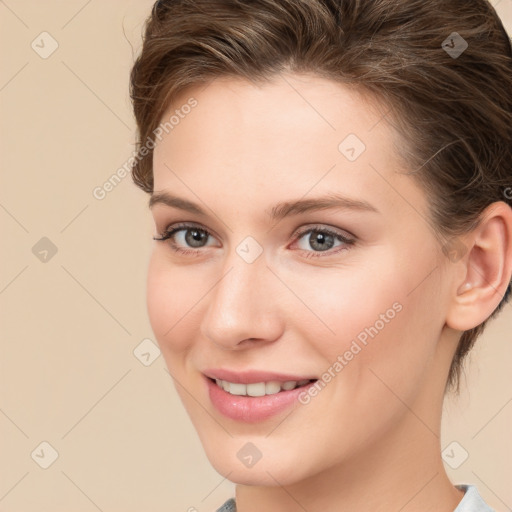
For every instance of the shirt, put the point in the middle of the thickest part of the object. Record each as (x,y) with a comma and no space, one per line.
(471,501)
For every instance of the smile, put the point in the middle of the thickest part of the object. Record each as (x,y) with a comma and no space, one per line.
(259,388)
(254,401)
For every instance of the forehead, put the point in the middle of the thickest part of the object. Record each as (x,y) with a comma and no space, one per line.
(305,105)
(291,135)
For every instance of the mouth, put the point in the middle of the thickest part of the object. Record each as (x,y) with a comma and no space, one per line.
(258,389)
(256,401)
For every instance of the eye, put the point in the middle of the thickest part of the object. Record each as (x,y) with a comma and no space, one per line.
(189,239)
(322,240)
(185,238)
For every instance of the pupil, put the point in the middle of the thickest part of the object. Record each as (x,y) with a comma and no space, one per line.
(321,241)
(193,236)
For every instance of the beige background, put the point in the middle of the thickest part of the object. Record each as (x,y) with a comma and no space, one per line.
(70,325)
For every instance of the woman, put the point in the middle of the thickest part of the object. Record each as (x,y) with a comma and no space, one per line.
(330,185)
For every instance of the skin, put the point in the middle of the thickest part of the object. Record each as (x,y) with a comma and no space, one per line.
(369,441)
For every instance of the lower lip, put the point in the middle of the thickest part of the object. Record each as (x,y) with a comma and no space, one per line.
(251,409)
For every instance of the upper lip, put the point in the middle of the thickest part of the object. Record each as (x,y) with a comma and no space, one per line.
(252,376)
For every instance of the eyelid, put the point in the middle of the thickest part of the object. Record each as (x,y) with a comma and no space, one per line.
(298,233)
(346,242)
(172,229)
(343,233)
(181,226)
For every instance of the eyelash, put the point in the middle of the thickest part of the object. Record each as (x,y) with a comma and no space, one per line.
(168,234)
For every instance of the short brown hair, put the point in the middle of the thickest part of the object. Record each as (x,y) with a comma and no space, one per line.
(453,112)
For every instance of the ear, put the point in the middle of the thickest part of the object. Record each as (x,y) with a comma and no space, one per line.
(486,269)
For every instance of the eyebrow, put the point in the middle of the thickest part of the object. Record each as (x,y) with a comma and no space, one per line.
(278,211)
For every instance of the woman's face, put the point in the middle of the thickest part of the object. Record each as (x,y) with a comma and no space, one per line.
(305,255)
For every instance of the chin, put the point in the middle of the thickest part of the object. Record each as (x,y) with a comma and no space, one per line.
(255,476)
(271,470)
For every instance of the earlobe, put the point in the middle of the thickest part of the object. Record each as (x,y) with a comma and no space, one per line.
(488,269)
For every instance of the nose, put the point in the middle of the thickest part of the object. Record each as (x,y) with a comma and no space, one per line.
(242,308)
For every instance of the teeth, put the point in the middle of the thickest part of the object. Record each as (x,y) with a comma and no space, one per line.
(259,388)
(289,384)
(236,389)
(256,389)
(273,387)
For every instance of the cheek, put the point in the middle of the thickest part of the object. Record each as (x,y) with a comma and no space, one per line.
(374,313)
(397,326)
(172,300)
(383,343)
(350,301)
